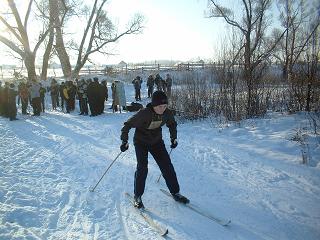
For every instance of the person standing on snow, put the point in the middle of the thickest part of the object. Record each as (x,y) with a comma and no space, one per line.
(42,97)
(83,97)
(158,81)
(62,98)
(168,85)
(34,91)
(54,91)
(137,87)
(12,108)
(150,84)
(148,138)
(24,96)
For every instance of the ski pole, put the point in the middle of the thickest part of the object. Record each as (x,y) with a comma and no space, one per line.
(92,190)
(161,173)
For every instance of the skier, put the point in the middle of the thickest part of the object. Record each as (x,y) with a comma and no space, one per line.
(148,138)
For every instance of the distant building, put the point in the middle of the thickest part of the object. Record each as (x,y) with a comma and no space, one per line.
(122,64)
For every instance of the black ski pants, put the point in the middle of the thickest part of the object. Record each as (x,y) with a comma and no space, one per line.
(162,158)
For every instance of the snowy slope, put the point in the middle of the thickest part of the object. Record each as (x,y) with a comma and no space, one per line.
(250,173)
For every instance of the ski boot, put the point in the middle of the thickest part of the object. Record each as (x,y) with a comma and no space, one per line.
(138,202)
(180,198)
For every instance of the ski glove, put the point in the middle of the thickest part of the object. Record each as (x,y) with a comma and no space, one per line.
(124,146)
(174,143)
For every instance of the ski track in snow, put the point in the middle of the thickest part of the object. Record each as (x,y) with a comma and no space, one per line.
(48,165)
(260,183)
(68,215)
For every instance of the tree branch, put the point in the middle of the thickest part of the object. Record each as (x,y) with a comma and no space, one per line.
(12,46)
(42,38)
(27,14)
(305,43)
(11,29)
(223,14)
(21,29)
(85,33)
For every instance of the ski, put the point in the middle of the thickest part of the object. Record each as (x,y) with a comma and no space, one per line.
(163,231)
(223,222)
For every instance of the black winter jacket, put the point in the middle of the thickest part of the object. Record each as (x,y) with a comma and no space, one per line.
(148,126)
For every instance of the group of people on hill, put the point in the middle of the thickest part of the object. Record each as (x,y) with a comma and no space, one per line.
(90,93)
(31,92)
(160,83)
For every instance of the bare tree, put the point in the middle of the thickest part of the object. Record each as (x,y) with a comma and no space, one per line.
(47,23)
(17,39)
(58,10)
(297,52)
(99,31)
(292,18)
(255,48)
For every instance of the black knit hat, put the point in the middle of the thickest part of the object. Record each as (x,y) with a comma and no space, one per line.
(159,98)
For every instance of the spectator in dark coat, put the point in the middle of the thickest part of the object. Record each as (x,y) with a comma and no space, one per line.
(12,108)
(42,97)
(62,98)
(94,96)
(54,92)
(4,99)
(150,85)
(1,99)
(158,81)
(137,87)
(168,85)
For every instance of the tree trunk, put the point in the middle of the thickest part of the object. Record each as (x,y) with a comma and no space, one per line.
(76,71)
(46,56)
(247,73)
(30,65)
(62,54)
(60,48)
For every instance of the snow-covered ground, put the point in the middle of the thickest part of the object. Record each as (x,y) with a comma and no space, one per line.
(250,173)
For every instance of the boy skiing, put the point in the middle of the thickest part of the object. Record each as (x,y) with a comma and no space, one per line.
(148,138)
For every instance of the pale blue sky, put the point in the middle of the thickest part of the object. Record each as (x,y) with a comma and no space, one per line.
(174,30)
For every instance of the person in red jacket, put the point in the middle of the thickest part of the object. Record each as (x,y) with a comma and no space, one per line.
(148,138)
(24,96)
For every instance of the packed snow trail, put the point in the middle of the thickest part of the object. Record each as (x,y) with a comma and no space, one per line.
(250,175)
